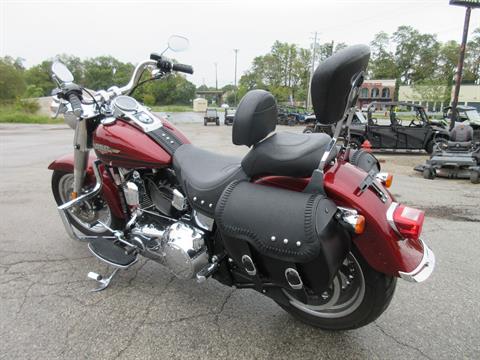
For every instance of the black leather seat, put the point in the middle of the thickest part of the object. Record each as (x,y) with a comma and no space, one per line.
(286,154)
(204,175)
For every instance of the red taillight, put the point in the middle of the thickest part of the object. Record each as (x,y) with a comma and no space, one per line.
(408,221)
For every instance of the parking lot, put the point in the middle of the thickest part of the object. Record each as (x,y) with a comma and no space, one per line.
(47,311)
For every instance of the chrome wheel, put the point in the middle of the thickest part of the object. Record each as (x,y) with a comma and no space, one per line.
(343,297)
(89,212)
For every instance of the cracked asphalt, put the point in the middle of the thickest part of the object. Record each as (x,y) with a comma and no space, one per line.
(47,311)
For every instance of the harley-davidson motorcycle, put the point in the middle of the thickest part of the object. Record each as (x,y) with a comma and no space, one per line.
(301,218)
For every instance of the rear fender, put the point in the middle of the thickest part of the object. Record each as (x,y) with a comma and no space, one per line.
(379,244)
(109,190)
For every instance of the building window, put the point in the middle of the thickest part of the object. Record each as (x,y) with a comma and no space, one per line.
(364,93)
(375,92)
(385,93)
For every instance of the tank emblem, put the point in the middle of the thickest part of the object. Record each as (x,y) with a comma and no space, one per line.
(104,149)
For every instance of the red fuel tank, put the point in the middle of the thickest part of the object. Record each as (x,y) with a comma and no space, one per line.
(122,144)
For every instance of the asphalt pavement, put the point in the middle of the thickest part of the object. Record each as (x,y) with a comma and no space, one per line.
(47,311)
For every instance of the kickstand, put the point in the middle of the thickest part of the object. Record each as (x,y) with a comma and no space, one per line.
(104,282)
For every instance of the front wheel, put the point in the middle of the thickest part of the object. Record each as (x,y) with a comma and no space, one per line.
(85,216)
(357,296)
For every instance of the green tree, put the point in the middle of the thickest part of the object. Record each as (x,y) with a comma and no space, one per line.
(12,83)
(472,59)
(40,77)
(416,54)
(382,61)
(173,89)
(284,71)
(105,71)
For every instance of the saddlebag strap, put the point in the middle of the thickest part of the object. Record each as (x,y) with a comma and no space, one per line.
(246,262)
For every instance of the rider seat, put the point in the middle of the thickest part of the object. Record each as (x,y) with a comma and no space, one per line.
(461,138)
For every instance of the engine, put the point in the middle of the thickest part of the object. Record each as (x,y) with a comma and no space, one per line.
(178,246)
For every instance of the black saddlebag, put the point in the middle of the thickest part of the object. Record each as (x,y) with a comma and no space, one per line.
(281,229)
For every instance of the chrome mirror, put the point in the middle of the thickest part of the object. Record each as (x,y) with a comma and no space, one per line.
(61,72)
(178,43)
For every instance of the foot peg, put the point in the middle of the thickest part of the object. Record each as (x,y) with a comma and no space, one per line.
(206,272)
(109,252)
(101,280)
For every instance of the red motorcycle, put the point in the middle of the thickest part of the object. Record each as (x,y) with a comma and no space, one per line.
(300,219)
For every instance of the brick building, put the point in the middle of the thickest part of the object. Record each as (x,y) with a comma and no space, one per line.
(376,90)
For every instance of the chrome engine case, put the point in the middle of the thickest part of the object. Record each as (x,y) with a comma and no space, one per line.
(178,246)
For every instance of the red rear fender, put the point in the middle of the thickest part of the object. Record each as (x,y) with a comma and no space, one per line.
(378,244)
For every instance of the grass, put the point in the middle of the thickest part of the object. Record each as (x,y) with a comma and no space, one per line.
(172,108)
(9,114)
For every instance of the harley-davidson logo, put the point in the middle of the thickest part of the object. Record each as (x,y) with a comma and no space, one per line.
(105,149)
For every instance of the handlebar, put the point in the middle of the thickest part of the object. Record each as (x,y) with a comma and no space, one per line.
(76,103)
(157,61)
(183,68)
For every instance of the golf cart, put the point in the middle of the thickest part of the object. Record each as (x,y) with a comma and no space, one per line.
(211,115)
(229,116)
(406,128)
(457,158)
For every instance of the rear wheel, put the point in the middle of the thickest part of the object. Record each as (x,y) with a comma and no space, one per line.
(85,216)
(357,296)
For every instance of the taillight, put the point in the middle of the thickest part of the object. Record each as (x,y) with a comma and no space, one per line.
(406,221)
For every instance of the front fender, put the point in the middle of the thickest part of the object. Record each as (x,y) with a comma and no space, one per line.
(110,190)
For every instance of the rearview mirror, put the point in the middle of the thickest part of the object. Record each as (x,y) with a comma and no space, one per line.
(178,43)
(61,72)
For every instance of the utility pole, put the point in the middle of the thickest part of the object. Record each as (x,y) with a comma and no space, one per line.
(469,4)
(314,53)
(235,83)
(216,77)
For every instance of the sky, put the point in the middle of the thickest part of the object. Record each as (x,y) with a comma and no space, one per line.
(131,30)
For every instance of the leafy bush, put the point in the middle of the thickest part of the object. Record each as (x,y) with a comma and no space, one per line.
(33,91)
(149,99)
(27,106)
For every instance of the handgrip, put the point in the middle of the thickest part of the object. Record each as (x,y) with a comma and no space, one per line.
(183,68)
(76,104)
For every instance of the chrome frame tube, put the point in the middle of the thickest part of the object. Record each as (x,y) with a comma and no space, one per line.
(80,155)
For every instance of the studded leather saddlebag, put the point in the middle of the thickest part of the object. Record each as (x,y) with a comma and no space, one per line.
(282,228)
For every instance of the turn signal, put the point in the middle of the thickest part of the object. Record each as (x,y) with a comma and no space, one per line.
(385,178)
(357,222)
(360,224)
(408,222)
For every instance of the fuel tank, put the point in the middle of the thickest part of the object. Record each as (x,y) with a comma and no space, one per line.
(123,144)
